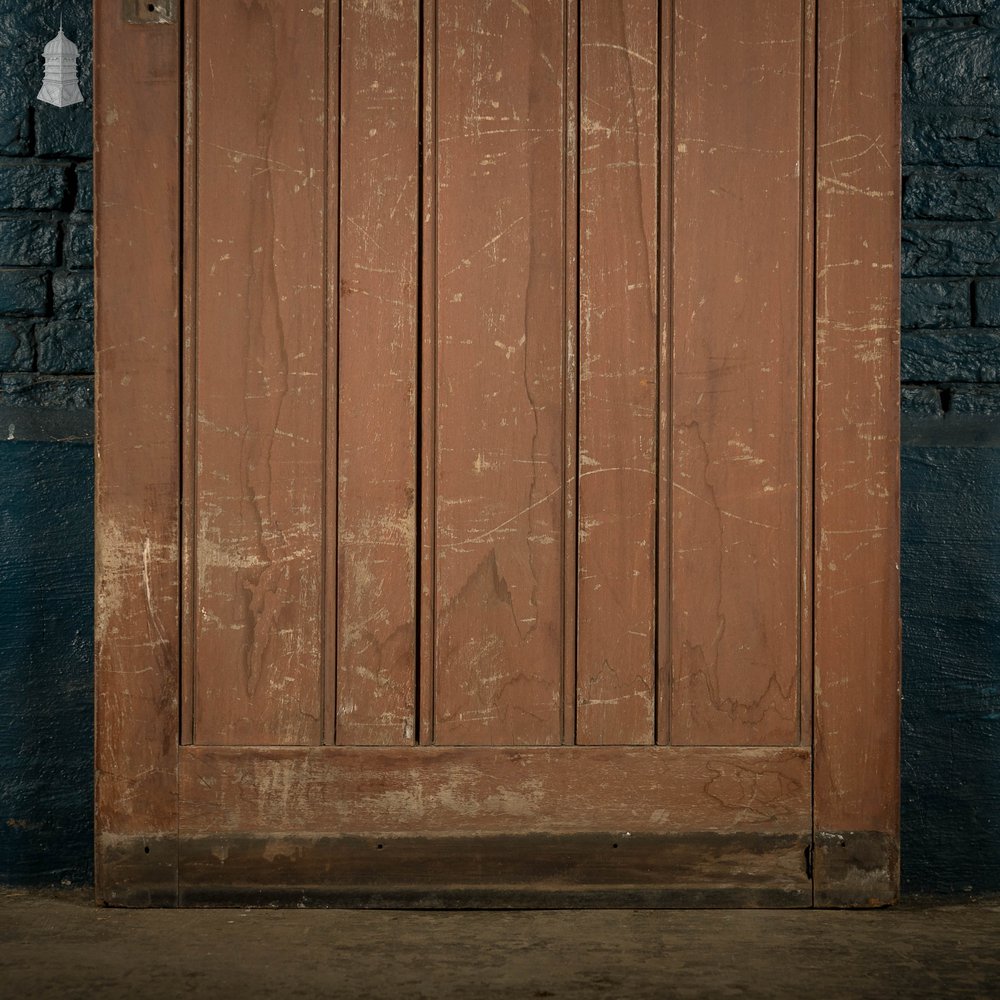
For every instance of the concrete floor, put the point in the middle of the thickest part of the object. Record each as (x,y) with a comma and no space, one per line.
(61,946)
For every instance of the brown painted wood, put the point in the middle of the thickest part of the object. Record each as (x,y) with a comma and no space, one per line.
(258,398)
(856,701)
(310,350)
(807,356)
(332,592)
(137,493)
(571,374)
(436,791)
(664,456)
(427,445)
(735,396)
(499,347)
(618,372)
(377,435)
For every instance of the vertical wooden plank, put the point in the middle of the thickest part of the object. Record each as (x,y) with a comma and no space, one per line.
(427,444)
(137,108)
(189,312)
(856,700)
(500,355)
(260,373)
(376,666)
(736,371)
(331,593)
(619,78)
(571,244)
(807,363)
(665,332)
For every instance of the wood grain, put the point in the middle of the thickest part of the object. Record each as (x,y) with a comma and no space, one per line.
(665,297)
(618,372)
(612,869)
(303,279)
(427,444)
(260,370)
(432,791)
(499,332)
(856,701)
(571,372)
(737,211)
(377,544)
(137,493)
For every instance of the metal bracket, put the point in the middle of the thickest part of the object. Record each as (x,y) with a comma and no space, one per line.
(150,11)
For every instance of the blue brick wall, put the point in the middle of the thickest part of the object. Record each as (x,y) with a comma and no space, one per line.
(951,453)
(951,445)
(46,460)
(46,227)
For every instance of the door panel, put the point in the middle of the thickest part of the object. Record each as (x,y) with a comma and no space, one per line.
(499,335)
(498,338)
(257,442)
(373,386)
(496,436)
(619,312)
(736,441)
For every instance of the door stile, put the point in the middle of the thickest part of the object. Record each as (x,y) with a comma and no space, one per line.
(856,604)
(138,489)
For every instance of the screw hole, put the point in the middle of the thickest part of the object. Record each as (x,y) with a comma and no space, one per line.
(151,7)
(146,850)
(378,847)
(614,845)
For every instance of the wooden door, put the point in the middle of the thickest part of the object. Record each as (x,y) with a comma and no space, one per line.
(497,454)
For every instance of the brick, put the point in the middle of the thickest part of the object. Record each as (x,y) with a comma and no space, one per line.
(80,245)
(64,131)
(922,400)
(17,346)
(950,250)
(23,293)
(67,392)
(983,400)
(15,121)
(73,295)
(987,298)
(930,305)
(948,8)
(65,347)
(955,356)
(36,186)
(954,66)
(951,137)
(962,195)
(84,188)
(27,243)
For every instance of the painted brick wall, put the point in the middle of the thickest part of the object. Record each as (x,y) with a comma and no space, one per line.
(951,445)
(46,228)
(46,461)
(951,454)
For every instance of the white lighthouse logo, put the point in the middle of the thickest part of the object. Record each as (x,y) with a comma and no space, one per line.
(60,85)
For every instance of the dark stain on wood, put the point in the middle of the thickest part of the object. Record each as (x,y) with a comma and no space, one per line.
(608,869)
(856,869)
